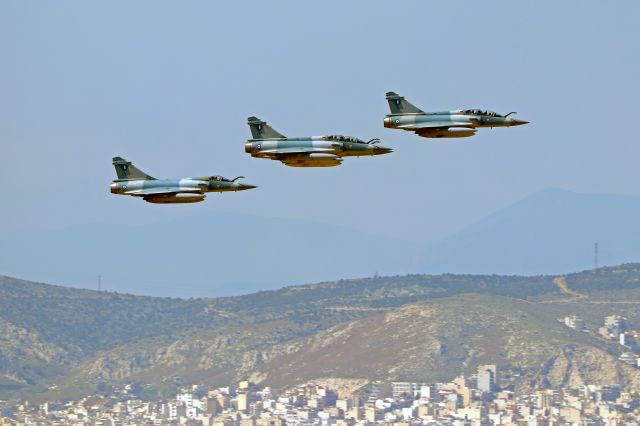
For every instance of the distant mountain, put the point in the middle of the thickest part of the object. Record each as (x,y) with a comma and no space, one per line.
(223,254)
(437,325)
(208,256)
(552,231)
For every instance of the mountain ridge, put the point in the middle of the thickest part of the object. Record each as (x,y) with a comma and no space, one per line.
(88,337)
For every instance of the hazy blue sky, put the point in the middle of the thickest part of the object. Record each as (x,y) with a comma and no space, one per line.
(169,85)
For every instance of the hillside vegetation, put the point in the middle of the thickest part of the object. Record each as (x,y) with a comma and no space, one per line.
(78,339)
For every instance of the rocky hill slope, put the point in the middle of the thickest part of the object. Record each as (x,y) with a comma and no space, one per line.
(424,341)
(412,327)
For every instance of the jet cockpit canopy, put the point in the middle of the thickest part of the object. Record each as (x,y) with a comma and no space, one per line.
(481,112)
(341,138)
(219,178)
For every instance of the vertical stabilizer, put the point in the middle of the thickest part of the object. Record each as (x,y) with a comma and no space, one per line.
(261,130)
(127,171)
(399,105)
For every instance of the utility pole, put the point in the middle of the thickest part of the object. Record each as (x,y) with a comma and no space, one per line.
(595,256)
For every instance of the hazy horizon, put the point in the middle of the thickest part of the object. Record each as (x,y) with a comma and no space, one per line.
(534,236)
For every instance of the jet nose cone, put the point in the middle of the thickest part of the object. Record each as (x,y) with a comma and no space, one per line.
(516,122)
(244,186)
(377,150)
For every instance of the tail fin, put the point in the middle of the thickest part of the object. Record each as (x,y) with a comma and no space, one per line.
(399,105)
(261,130)
(127,171)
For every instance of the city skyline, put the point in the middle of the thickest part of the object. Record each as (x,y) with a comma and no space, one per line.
(464,400)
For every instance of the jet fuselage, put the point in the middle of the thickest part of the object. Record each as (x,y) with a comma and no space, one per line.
(446,124)
(312,151)
(459,123)
(171,191)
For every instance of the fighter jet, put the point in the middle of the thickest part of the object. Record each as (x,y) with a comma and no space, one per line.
(133,181)
(310,151)
(447,124)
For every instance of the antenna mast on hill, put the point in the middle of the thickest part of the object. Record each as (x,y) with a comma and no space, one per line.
(99,282)
(595,256)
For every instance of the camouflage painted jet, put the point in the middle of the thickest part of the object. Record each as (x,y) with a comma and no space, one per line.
(446,124)
(310,151)
(133,181)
